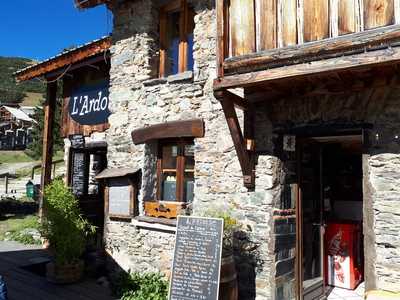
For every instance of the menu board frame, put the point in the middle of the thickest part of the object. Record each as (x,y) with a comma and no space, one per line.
(219,248)
(132,193)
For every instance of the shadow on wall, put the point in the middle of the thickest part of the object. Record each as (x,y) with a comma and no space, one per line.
(247,260)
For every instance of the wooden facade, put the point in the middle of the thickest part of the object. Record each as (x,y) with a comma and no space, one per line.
(259,34)
(98,72)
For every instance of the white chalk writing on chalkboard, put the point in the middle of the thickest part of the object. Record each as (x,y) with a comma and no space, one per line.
(78,174)
(197,259)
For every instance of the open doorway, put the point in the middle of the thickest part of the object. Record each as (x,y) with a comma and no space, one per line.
(330,209)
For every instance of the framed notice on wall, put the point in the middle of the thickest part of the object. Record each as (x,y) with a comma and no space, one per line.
(120,198)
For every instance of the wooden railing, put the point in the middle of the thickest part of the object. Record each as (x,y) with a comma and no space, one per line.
(248,27)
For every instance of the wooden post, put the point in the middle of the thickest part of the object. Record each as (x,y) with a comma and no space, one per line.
(6,183)
(221,37)
(49,108)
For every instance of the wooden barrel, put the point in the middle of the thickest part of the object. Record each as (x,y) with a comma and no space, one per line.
(228,287)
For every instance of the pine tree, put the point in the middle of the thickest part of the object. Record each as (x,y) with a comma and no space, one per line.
(35,148)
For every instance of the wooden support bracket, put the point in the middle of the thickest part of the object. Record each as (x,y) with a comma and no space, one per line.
(246,157)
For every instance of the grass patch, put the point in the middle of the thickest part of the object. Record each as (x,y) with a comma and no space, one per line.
(16,225)
(10,157)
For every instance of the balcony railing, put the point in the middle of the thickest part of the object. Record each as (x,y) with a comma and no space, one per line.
(251,30)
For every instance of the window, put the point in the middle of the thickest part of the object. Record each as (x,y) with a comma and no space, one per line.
(176,38)
(175,171)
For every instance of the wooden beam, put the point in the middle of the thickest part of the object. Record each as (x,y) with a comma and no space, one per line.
(47,155)
(64,60)
(345,63)
(238,101)
(176,129)
(359,40)
(245,159)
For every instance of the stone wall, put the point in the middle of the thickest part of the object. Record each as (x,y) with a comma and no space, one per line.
(138,98)
(378,108)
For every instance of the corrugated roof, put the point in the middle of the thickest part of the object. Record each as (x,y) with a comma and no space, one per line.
(19,114)
(64,58)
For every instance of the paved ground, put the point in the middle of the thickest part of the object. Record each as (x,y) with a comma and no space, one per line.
(16,187)
(336,293)
(23,285)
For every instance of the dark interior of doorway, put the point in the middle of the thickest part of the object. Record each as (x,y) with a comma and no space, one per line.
(331,188)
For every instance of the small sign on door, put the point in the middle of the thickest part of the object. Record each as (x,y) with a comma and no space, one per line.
(289,143)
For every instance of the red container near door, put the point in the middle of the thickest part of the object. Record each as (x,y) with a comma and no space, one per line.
(343,255)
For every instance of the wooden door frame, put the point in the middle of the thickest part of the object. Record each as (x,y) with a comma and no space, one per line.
(300,139)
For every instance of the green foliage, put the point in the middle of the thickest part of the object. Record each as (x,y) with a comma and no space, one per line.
(231,225)
(24,238)
(63,225)
(139,286)
(34,149)
(10,91)
(16,227)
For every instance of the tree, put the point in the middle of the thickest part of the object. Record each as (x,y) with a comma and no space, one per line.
(35,148)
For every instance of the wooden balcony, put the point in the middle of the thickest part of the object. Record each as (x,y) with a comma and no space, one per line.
(270,39)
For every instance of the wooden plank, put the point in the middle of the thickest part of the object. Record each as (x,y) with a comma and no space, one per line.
(343,63)
(397,11)
(347,21)
(63,60)
(175,129)
(358,40)
(221,36)
(334,18)
(316,20)
(266,24)
(242,22)
(378,13)
(287,22)
(163,55)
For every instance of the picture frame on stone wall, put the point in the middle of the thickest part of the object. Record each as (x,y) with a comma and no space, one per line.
(121,192)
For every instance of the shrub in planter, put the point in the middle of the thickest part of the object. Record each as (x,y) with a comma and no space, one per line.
(66,231)
(141,286)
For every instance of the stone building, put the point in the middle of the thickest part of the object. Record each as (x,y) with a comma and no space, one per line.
(282,113)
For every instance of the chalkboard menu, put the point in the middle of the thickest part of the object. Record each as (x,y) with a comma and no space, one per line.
(77,141)
(119,197)
(78,174)
(197,259)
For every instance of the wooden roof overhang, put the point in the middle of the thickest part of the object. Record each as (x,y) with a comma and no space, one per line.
(338,65)
(176,129)
(66,61)
(83,4)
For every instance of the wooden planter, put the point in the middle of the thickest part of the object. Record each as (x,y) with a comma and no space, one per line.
(228,287)
(164,209)
(64,274)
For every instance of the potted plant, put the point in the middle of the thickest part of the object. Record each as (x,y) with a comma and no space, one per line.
(228,279)
(66,231)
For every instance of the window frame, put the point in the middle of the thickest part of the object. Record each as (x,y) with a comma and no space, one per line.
(180,167)
(183,8)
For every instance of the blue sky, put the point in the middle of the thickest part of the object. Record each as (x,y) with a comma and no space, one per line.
(39,29)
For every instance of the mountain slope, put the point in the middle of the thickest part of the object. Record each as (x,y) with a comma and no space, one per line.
(10,91)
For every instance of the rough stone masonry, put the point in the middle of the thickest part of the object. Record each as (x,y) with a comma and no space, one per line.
(139,98)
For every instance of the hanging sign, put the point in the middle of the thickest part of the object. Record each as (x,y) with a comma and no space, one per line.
(77,141)
(197,259)
(89,105)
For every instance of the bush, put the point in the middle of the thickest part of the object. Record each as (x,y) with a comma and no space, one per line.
(137,286)
(63,225)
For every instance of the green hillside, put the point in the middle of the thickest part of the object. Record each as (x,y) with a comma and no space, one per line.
(10,91)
